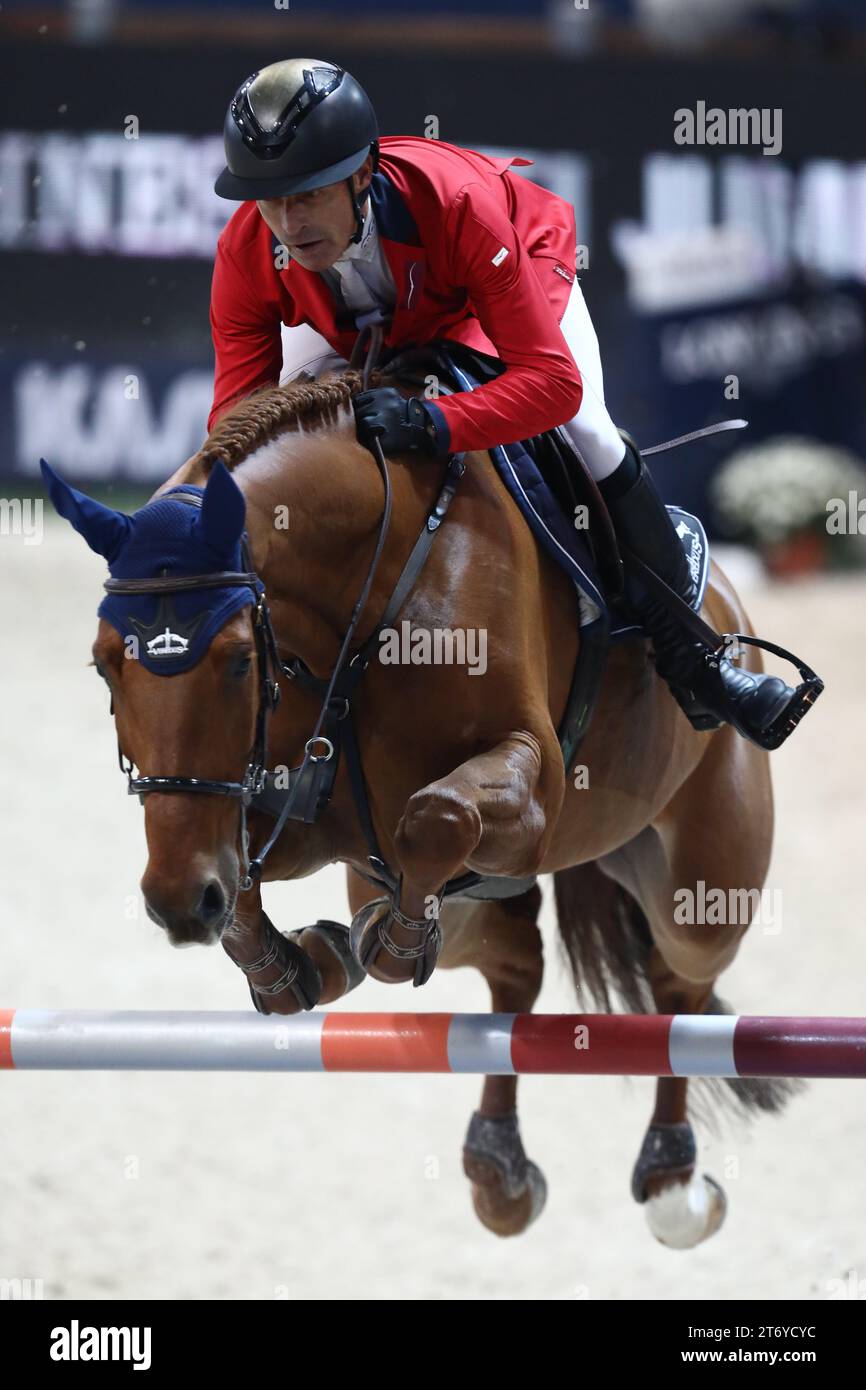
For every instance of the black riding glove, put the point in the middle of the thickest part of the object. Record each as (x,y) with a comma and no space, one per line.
(399,422)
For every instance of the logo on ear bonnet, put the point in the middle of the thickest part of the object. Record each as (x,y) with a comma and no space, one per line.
(168,635)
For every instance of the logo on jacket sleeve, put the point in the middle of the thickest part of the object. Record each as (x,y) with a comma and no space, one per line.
(413,280)
(500,256)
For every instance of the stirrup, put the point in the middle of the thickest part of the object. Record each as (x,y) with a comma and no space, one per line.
(784,724)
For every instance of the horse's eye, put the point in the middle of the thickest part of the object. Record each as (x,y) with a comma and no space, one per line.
(241,666)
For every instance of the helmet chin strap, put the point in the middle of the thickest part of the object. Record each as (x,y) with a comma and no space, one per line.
(356,208)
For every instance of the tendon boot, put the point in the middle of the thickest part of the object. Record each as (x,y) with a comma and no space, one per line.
(709,688)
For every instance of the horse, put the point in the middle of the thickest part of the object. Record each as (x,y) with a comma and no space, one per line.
(462,769)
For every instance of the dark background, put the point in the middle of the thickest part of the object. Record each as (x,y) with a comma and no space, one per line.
(612,104)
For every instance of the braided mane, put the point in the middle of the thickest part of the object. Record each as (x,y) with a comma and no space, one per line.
(267,413)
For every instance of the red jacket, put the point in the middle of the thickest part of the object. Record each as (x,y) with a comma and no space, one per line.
(478,255)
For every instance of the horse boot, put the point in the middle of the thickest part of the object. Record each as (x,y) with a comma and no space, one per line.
(709,688)
(370,934)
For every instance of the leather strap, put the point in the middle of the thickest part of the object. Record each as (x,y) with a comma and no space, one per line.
(178,583)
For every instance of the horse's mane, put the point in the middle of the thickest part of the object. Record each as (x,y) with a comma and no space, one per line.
(267,413)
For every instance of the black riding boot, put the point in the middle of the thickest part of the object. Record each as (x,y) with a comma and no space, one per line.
(710,688)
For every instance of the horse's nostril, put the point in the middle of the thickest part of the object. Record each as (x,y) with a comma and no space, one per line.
(212,902)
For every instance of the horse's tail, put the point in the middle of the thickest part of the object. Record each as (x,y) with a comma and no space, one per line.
(608,942)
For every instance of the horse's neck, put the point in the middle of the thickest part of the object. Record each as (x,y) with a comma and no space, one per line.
(314,504)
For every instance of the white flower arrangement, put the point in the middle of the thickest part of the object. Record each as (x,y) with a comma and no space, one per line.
(773,491)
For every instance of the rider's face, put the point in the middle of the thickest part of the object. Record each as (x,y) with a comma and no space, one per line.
(316,227)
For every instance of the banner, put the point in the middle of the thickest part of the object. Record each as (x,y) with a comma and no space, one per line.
(721,229)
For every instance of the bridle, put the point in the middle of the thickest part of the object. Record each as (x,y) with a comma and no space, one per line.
(310,784)
(269,665)
(318,749)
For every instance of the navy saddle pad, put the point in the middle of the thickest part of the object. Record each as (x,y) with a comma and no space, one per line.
(565,543)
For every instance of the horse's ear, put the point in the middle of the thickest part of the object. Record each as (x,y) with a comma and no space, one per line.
(104,529)
(223,510)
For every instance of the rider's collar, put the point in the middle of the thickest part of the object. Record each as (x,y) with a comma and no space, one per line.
(367,247)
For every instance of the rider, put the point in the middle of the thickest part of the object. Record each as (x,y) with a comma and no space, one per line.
(335,223)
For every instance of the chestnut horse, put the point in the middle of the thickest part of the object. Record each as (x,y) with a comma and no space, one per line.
(464,772)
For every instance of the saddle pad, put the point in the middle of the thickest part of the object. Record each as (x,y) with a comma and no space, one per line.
(567,545)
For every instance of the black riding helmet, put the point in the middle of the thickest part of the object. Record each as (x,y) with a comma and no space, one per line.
(294,126)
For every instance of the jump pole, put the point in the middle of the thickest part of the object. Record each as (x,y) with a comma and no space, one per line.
(491,1044)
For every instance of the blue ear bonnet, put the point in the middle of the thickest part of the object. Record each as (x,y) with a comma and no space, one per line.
(173,630)
(167,536)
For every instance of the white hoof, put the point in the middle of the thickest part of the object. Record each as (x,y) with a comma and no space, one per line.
(683,1215)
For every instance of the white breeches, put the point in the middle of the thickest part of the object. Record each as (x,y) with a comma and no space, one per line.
(591,430)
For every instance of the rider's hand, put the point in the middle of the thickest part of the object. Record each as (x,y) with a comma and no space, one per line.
(399,422)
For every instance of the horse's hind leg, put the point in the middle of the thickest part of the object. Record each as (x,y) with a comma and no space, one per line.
(715,835)
(683,1207)
(502,940)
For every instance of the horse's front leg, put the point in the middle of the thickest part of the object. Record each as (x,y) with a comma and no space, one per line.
(288,973)
(494,814)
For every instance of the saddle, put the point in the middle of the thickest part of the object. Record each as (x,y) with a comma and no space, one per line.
(550,482)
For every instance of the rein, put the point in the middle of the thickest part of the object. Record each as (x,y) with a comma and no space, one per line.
(311,783)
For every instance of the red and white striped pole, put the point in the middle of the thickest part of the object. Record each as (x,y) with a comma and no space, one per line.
(491,1044)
